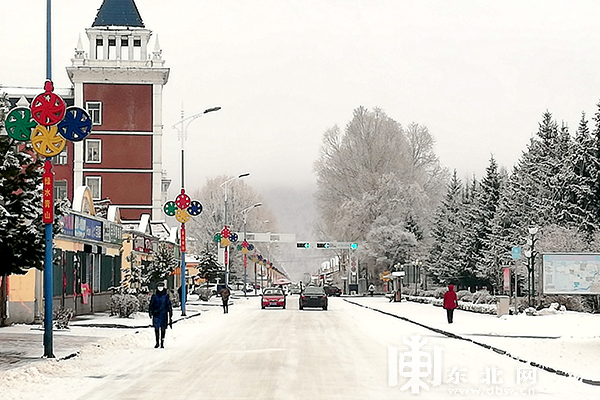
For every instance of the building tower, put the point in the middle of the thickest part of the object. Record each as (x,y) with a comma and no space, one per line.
(120,83)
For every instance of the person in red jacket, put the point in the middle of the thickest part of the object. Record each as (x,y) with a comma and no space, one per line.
(450,302)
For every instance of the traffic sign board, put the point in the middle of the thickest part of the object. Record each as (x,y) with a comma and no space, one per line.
(516,253)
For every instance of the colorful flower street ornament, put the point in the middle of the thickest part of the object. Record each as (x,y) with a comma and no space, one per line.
(183,208)
(226,237)
(48,124)
(245,247)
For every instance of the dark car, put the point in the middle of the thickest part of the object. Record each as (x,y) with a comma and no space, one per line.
(313,296)
(332,290)
(273,297)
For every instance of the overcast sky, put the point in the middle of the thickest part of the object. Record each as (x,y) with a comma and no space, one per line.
(479,74)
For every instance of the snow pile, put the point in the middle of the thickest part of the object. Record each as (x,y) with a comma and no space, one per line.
(552,309)
(462,305)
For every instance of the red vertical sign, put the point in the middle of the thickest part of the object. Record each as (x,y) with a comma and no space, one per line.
(183,238)
(48,196)
(506,279)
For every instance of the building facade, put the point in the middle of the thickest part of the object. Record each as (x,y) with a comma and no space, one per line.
(120,83)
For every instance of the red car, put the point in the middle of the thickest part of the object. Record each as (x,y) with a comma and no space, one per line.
(273,297)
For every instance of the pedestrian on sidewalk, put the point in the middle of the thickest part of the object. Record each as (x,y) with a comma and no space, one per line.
(225,293)
(161,312)
(450,303)
(371,289)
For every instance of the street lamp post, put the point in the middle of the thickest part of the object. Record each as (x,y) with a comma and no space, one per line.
(225,185)
(417,274)
(244,213)
(531,254)
(181,127)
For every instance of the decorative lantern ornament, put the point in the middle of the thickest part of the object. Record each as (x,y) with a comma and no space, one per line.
(226,237)
(45,125)
(48,123)
(183,209)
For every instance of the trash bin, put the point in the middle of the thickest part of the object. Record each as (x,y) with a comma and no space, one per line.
(502,305)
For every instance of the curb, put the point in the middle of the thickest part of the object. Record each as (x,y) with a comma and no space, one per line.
(487,346)
(121,326)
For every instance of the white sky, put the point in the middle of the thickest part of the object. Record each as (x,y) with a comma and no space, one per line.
(479,74)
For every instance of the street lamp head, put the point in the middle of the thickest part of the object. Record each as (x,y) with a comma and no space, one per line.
(211,110)
(533,230)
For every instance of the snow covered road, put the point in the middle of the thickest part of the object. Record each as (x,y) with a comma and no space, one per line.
(347,352)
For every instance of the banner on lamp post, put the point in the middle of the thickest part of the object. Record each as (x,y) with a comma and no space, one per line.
(183,238)
(47,196)
(506,273)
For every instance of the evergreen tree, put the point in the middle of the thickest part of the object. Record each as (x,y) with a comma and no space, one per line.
(443,256)
(209,267)
(488,203)
(581,168)
(163,264)
(468,230)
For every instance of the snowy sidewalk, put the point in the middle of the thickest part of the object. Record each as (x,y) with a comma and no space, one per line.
(21,344)
(567,341)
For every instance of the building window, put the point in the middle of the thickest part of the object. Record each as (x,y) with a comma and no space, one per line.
(95,185)
(94,108)
(93,151)
(62,158)
(60,190)
(99,48)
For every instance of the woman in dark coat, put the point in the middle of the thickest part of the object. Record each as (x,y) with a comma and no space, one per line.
(161,312)
(450,302)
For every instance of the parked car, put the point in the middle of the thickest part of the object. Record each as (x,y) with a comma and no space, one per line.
(273,297)
(206,286)
(313,296)
(332,290)
(240,286)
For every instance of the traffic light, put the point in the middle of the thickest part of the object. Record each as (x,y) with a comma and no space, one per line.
(303,245)
(322,245)
(354,246)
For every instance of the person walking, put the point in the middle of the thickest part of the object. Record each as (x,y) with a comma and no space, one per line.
(371,289)
(450,303)
(225,293)
(161,312)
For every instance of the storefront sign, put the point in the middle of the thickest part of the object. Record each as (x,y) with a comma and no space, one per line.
(82,227)
(113,233)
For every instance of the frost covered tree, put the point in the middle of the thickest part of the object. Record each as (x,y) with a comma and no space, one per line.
(488,202)
(470,241)
(443,256)
(209,267)
(374,181)
(163,264)
(212,219)
(202,229)
(584,168)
